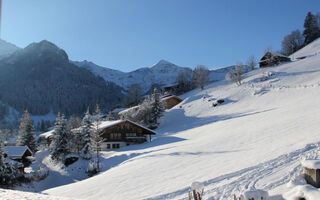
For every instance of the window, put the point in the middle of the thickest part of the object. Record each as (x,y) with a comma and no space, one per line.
(131,134)
(115,146)
(108,146)
(115,136)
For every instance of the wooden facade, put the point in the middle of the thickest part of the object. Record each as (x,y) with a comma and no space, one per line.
(271,59)
(171,101)
(312,176)
(19,154)
(123,133)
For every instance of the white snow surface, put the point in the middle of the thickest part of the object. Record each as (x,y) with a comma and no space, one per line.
(310,50)
(7,48)
(18,195)
(255,139)
(311,164)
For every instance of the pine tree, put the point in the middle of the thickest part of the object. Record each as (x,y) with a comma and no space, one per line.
(43,126)
(75,139)
(86,129)
(26,136)
(157,109)
(96,141)
(59,144)
(9,169)
(311,28)
(1,152)
(110,116)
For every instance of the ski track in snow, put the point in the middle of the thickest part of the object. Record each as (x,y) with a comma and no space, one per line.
(225,186)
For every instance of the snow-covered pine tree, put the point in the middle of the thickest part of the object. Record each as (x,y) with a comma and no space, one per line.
(157,109)
(60,143)
(9,169)
(1,152)
(75,139)
(110,116)
(26,136)
(86,130)
(95,142)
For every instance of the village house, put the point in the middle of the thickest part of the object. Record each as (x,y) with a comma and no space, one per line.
(271,59)
(115,134)
(120,133)
(20,154)
(45,138)
(170,101)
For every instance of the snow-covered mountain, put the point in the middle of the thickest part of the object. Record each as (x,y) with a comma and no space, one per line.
(254,140)
(162,73)
(41,78)
(7,48)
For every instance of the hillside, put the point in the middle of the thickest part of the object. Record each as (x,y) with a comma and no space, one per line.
(6,48)
(254,140)
(41,79)
(310,50)
(17,195)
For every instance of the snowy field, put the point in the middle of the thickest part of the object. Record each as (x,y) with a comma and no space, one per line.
(17,195)
(255,139)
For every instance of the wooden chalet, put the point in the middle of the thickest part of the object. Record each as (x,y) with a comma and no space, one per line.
(45,138)
(19,154)
(271,59)
(170,101)
(120,133)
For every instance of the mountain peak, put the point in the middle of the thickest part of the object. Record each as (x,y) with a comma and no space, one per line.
(45,47)
(162,62)
(7,48)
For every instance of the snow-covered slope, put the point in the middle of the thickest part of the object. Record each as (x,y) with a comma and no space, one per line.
(310,50)
(161,73)
(17,195)
(254,139)
(6,48)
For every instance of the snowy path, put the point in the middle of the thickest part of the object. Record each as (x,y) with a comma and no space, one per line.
(224,186)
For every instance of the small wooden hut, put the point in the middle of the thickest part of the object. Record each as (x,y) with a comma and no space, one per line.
(311,171)
(271,59)
(19,154)
(170,101)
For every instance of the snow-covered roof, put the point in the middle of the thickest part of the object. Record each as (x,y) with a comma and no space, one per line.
(128,109)
(16,151)
(169,97)
(107,124)
(254,194)
(117,110)
(273,53)
(46,134)
(311,164)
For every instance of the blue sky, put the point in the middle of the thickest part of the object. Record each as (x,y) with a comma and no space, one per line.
(128,34)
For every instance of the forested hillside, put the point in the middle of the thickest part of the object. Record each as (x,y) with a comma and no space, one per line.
(40,78)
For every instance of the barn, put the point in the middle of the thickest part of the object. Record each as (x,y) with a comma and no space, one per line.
(271,59)
(120,133)
(170,101)
(19,154)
